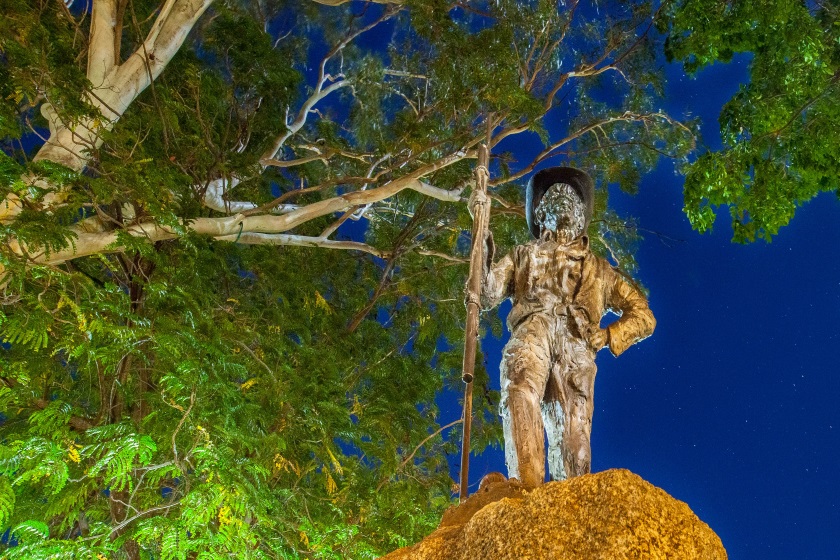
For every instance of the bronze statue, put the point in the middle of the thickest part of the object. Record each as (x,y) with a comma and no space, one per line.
(560,291)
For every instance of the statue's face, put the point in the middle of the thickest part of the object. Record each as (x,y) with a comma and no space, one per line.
(562,211)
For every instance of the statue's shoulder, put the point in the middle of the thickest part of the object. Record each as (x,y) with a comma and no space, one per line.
(598,263)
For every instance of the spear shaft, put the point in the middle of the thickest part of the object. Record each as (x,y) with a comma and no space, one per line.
(481,221)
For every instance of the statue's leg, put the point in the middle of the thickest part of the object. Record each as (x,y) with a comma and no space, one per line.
(577,389)
(524,370)
(554,419)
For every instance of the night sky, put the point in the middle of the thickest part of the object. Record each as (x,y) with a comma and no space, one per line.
(732,404)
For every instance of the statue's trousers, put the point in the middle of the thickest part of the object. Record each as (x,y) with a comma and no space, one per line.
(548,378)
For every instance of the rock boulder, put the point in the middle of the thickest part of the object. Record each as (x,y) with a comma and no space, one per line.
(610,515)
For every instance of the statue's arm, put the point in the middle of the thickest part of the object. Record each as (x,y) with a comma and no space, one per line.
(636,322)
(498,279)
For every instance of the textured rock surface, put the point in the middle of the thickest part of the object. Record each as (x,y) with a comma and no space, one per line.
(610,515)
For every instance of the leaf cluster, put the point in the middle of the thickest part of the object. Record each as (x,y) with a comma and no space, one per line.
(778,149)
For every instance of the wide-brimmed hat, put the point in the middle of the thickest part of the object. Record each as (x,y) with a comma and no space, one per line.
(542,181)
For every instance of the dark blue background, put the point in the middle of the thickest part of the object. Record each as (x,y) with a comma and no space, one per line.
(731,406)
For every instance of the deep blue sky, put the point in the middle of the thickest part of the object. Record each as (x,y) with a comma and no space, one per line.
(732,405)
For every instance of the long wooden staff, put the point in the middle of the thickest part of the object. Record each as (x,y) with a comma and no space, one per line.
(481,221)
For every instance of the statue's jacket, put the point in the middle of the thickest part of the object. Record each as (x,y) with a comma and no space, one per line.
(568,281)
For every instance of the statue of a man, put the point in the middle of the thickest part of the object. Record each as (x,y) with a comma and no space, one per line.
(560,291)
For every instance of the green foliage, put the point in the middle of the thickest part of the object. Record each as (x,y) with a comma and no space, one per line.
(31,531)
(7,501)
(251,421)
(192,398)
(779,148)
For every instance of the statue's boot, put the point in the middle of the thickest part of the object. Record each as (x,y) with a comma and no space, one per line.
(523,430)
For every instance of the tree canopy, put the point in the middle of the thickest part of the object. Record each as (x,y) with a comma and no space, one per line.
(780,148)
(234,240)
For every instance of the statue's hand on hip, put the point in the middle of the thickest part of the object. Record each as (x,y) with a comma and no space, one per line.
(599,339)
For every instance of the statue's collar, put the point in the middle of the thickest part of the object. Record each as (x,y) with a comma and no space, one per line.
(577,247)
(550,236)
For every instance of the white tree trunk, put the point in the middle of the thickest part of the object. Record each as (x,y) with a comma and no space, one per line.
(114,86)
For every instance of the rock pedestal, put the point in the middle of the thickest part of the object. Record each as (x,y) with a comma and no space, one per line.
(610,515)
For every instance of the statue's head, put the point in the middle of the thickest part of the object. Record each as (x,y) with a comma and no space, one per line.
(560,199)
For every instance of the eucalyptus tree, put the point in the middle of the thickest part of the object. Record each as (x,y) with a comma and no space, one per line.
(233,254)
(780,148)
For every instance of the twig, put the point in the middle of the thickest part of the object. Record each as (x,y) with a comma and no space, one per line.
(419,445)
(178,429)
(253,355)
(438,254)
(117,528)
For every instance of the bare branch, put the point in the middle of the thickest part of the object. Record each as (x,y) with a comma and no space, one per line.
(320,91)
(168,33)
(419,445)
(254,355)
(214,197)
(551,150)
(330,229)
(404,74)
(102,55)
(302,241)
(453,195)
(270,162)
(286,196)
(230,228)
(285,222)
(117,528)
(293,127)
(178,429)
(439,255)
